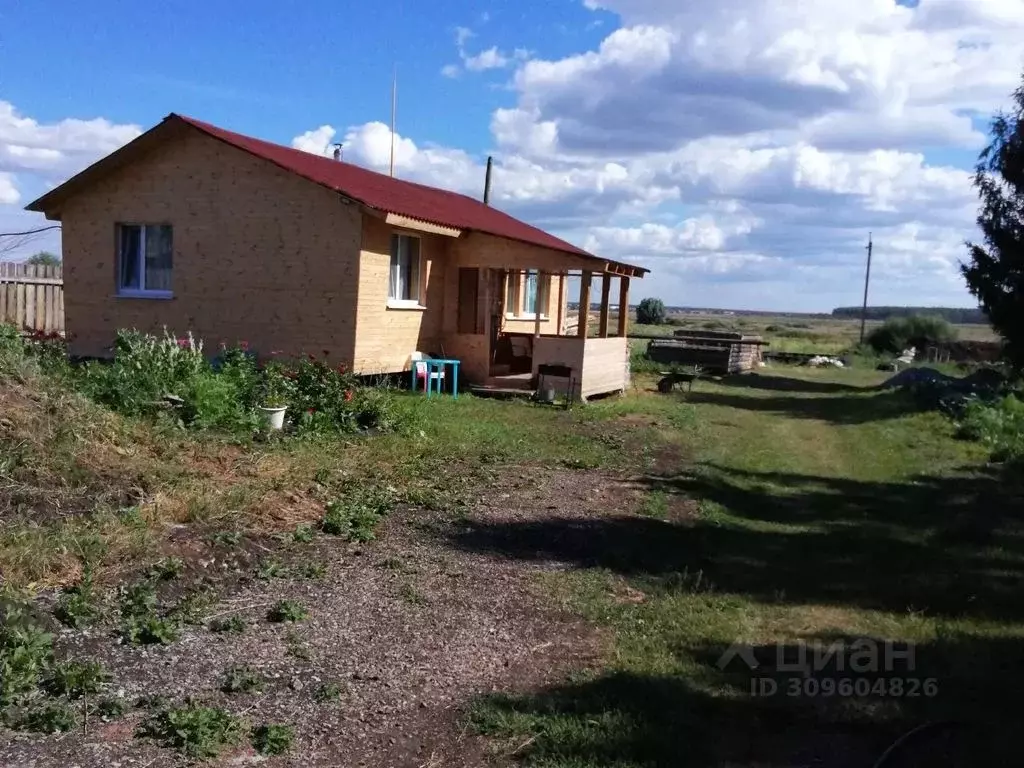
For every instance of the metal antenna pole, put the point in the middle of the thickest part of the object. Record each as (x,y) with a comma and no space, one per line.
(394,109)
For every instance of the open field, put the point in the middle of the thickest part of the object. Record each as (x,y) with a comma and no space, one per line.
(789,334)
(500,582)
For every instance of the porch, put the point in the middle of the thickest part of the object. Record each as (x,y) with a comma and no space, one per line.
(514,332)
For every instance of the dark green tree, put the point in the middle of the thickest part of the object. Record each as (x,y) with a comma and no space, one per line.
(651,312)
(44,259)
(995,273)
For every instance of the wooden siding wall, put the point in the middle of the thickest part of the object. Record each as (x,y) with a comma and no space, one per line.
(260,254)
(385,337)
(480,250)
(32,297)
(605,365)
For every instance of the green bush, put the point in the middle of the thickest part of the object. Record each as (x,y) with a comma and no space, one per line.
(920,331)
(999,425)
(651,312)
(144,371)
(329,399)
(214,402)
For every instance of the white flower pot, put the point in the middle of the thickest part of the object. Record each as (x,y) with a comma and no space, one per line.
(273,417)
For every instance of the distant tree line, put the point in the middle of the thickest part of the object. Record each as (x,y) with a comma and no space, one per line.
(956,315)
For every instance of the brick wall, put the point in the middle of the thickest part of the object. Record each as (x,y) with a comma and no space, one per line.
(259,254)
(387,337)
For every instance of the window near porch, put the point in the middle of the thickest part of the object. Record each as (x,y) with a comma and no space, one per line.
(405,269)
(534,293)
(528,294)
(144,260)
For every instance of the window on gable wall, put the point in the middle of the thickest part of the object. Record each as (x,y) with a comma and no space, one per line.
(144,260)
(405,269)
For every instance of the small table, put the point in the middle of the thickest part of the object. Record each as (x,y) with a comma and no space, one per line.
(437,365)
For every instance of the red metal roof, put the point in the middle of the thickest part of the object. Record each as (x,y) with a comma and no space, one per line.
(384,193)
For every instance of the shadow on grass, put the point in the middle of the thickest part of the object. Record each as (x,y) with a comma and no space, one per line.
(787,384)
(957,698)
(945,546)
(839,409)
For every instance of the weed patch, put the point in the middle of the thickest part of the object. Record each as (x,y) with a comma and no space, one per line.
(273,739)
(354,515)
(234,625)
(75,679)
(26,652)
(77,606)
(241,678)
(329,692)
(197,731)
(287,611)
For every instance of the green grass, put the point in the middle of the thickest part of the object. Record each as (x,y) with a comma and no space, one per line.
(826,513)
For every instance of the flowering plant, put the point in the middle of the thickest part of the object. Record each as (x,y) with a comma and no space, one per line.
(277,389)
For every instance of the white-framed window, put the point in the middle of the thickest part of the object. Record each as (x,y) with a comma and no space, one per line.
(527,294)
(404,288)
(145,259)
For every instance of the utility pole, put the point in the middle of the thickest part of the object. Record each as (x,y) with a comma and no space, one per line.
(867,283)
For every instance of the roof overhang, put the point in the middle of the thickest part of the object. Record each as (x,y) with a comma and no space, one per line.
(624,270)
(407,222)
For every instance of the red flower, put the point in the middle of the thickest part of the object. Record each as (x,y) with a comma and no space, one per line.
(348,395)
(311,411)
(244,346)
(341,368)
(183,343)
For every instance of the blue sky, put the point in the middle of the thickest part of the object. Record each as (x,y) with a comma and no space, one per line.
(271,68)
(741,150)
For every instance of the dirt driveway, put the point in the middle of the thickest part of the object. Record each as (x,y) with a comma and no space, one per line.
(406,630)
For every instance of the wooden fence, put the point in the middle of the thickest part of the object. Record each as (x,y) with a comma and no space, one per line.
(32,297)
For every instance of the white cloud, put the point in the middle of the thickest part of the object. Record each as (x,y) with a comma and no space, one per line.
(491,58)
(56,150)
(36,156)
(317,141)
(9,194)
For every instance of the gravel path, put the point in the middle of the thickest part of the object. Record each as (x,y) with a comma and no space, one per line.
(408,627)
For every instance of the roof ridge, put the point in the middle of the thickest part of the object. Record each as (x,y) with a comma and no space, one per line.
(202,124)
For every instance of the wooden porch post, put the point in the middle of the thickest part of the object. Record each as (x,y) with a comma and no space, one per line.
(537,307)
(561,303)
(623,306)
(606,292)
(584,323)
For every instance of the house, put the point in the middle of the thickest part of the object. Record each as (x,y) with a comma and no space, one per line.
(193,227)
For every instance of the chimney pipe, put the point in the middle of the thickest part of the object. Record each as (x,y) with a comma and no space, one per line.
(487,181)
(337,152)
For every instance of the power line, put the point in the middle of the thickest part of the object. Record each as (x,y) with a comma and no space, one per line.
(29,232)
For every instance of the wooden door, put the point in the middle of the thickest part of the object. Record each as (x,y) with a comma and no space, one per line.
(469,295)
